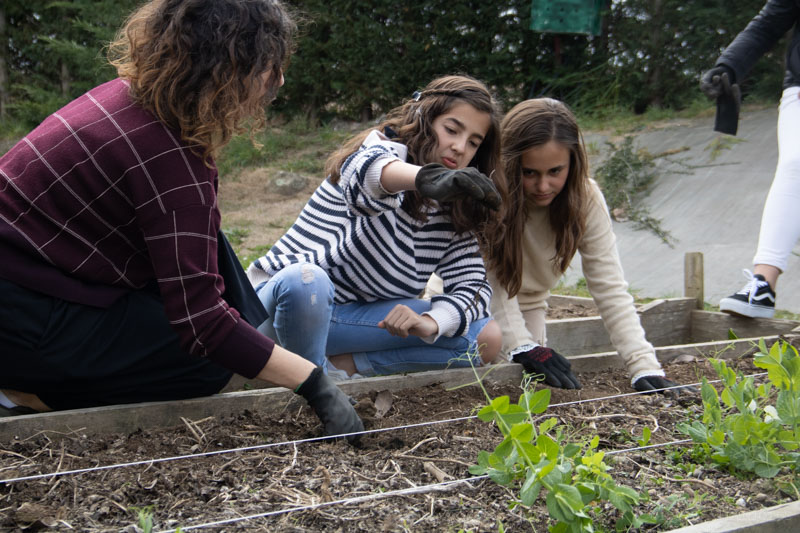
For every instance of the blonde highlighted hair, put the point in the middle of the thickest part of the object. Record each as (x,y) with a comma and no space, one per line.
(200,65)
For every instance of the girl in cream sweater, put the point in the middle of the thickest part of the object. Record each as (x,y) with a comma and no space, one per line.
(553,211)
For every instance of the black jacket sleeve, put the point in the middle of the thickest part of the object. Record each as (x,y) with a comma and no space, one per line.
(764,30)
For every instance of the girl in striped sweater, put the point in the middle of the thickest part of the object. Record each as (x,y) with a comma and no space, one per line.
(401,202)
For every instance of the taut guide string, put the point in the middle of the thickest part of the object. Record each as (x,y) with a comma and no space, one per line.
(149,462)
(402,492)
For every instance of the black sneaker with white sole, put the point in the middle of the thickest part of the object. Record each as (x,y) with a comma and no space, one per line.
(755,300)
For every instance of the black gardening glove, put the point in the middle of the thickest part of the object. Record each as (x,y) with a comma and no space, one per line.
(718,83)
(653,383)
(554,366)
(444,185)
(331,405)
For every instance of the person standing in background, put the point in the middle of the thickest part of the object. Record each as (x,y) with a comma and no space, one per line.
(780,221)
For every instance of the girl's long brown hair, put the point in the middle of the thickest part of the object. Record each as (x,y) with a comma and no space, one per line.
(530,124)
(412,122)
(198,65)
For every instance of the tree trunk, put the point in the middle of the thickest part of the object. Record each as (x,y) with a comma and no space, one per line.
(656,45)
(65,81)
(366,113)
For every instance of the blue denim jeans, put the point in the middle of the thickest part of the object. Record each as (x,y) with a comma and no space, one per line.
(299,302)
(304,320)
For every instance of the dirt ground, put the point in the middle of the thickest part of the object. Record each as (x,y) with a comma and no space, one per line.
(206,489)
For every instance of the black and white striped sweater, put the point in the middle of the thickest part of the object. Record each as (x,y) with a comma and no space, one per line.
(373,250)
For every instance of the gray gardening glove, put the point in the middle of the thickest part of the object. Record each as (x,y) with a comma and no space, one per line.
(445,185)
(331,405)
(719,81)
(654,383)
(556,369)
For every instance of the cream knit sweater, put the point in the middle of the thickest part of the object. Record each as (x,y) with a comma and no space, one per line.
(604,279)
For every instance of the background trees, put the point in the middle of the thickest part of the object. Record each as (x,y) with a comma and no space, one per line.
(357,59)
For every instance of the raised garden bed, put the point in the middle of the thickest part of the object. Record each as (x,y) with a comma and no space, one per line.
(406,475)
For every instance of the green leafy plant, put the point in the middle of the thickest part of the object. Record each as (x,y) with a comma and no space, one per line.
(537,457)
(667,515)
(645,440)
(144,517)
(749,427)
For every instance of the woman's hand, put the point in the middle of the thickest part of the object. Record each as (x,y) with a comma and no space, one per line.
(402,321)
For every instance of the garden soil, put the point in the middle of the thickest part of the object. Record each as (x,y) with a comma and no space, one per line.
(214,480)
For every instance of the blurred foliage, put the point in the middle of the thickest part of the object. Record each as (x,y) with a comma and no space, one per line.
(355,60)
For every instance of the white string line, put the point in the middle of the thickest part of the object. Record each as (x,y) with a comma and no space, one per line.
(314,439)
(380,495)
(219,452)
(345,501)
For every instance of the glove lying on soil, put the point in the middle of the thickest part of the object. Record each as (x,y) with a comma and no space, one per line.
(332,406)
(444,185)
(653,383)
(555,367)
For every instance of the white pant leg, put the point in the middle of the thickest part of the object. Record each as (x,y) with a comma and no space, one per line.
(780,222)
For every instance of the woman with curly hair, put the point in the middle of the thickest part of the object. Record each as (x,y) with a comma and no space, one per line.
(401,201)
(117,284)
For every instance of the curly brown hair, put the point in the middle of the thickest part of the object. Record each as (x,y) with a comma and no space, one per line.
(199,65)
(412,123)
(530,124)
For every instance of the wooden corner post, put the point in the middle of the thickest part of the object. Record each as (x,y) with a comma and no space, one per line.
(693,277)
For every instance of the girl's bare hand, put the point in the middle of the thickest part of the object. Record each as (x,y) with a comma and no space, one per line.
(402,321)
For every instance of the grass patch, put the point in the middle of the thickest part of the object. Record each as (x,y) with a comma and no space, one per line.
(236,236)
(248,256)
(295,146)
(579,289)
(621,120)
(721,143)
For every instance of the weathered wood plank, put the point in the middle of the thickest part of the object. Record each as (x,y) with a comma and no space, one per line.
(665,322)
(693,277)
(573,336)
(598,362)
(783,518)
(128,418)
(708,326)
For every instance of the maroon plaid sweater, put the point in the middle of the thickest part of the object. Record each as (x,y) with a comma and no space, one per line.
(101,199)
